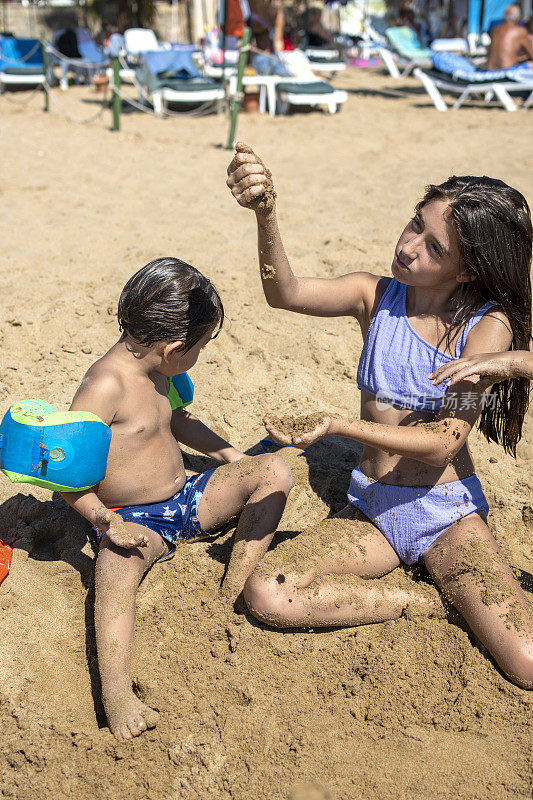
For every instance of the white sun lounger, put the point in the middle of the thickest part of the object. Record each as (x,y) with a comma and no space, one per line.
(21,62)
(325,61)
(436,82)
(304,88)
(193,90)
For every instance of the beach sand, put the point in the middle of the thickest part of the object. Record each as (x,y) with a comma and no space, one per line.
(410,709)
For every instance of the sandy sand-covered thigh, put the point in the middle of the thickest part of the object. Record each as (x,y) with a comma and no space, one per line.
(410,709)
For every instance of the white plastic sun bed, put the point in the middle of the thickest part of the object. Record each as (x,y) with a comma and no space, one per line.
(436,82)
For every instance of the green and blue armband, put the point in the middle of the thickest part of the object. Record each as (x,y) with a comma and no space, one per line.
(65,451)
(62,451)
(180,391)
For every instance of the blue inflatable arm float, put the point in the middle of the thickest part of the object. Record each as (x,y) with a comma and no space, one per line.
(61,451)
(180,391)
(64,451)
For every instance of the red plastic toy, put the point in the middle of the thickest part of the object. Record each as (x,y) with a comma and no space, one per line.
(5,559)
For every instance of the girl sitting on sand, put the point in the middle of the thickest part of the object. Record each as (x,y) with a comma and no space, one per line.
(460,287)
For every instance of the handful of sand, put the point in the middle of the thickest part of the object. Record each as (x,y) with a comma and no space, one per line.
(298,426)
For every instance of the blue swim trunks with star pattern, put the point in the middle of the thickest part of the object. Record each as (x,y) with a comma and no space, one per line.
(175,520)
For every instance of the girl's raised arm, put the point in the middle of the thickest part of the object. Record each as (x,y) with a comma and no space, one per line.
(349,295)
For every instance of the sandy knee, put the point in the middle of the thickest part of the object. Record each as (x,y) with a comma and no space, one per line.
(518,664)
(114,568)
(276,471)
(268,600)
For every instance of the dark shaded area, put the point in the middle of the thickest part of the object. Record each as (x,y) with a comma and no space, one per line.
(48,531)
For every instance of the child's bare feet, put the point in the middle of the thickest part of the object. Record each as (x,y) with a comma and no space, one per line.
(127,716)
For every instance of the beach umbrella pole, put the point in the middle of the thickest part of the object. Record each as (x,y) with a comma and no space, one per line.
(116,95)
(224,35)
(174,21)
(237,102)
(481,19)
(46,70)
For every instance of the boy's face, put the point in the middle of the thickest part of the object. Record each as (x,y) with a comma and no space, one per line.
(178,362)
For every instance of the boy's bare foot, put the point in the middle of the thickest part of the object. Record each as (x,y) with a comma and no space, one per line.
(127,716)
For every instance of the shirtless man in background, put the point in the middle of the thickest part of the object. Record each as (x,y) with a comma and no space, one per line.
(510,44)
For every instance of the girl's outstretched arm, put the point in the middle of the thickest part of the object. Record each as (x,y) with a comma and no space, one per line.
(349,295)
(436,442)
(494,366)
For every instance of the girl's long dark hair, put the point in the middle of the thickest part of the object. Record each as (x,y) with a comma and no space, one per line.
(493,225)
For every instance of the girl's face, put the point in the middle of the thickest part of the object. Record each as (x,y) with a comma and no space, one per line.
(427,254)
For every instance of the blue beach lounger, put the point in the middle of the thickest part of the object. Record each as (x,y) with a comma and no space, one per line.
(171,76)
(91,59)
(21,62)
(455,74)
(404,50)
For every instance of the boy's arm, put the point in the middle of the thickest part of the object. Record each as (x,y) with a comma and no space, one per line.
(101,396)
(436,442)
(348,295)
(187,429)
(89,506)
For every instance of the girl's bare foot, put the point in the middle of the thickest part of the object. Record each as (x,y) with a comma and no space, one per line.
(127,716)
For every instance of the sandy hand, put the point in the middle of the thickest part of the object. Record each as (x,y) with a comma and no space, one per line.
(116,530)
(250,181)
(298,431)
(496,366)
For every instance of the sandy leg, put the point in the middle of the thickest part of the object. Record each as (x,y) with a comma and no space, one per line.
(466,564)
(324,577)
(117,576)
(256,490)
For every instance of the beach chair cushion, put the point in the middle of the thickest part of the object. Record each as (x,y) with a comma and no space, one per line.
(22,71)
(324,60)
(460,68)
(188,85)
(404,41)
(318,87)
(21,56)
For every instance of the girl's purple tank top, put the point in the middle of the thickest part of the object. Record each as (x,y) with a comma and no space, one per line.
(396,361)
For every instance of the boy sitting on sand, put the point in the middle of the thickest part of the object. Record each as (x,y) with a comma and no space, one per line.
(146,506)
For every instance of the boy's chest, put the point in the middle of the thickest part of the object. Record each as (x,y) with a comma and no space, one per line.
(144,411)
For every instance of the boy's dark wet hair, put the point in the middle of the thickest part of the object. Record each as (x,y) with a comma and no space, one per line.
(493,226)
(168,300)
